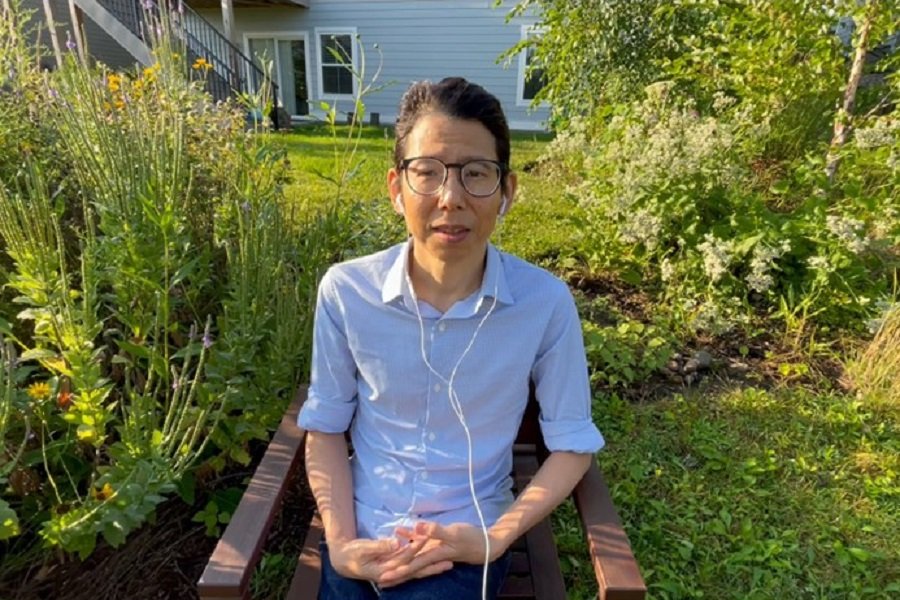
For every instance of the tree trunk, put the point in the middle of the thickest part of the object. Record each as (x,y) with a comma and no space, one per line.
(845,113)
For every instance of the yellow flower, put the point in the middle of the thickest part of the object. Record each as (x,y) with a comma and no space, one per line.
(151,72)
(114,82)
(39,390)
(201,63)
(104,493)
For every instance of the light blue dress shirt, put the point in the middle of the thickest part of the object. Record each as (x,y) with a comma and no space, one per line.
(410,458)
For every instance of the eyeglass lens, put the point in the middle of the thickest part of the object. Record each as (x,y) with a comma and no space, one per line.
(479,177)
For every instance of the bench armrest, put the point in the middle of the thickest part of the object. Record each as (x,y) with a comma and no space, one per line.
(228,572)
(616,569)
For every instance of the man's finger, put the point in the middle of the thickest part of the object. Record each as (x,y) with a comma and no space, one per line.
(422,560)
(403,554)
(394,579)
(376,548)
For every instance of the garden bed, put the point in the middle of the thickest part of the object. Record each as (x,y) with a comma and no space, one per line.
(164,559)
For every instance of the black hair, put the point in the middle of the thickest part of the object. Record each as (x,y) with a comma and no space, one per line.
(457,98)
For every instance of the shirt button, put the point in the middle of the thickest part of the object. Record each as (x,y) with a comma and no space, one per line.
(442,327)
(437,387)
(431,436)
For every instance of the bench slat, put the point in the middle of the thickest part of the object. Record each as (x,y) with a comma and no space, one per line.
(616,569)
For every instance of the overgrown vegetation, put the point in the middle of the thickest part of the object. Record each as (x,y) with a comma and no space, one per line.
(732,181)
(158,290)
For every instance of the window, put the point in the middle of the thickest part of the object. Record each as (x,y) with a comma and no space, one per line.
(531,75)
(337,56)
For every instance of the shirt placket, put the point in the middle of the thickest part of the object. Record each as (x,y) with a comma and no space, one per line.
(437,392)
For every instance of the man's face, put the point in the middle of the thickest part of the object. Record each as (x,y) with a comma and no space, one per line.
(450,224)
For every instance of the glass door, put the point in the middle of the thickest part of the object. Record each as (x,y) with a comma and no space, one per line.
(289,69)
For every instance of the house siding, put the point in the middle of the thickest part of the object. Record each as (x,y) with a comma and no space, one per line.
(418,39)
(101,46)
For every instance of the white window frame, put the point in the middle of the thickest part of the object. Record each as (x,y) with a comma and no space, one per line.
(526,32)
(277,36)
(320,31)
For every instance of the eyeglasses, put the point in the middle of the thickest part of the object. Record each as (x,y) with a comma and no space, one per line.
(426,176)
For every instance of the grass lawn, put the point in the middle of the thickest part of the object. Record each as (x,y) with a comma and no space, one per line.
(734,492)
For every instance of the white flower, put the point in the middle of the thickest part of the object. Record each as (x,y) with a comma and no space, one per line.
(716,256)
(820,263)
(666,269)
(885,132)
(762,262)
(641,227)
(847,231)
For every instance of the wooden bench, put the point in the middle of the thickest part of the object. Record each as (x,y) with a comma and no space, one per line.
(534,573)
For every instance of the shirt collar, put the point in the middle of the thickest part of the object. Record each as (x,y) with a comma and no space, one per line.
(396,283)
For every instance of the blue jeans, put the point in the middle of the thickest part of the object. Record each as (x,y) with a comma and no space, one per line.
(462,582)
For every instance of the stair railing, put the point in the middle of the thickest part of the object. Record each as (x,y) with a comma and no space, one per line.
(231,70)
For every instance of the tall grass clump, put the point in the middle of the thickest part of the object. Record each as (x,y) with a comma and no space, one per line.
(158,292)
(875,372)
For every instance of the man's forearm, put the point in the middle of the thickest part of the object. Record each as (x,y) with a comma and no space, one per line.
(328,470)
(552,484)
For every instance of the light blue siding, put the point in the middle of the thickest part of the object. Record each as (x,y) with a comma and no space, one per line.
(418,39)
(100,45)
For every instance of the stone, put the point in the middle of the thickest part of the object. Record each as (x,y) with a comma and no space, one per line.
(704,359)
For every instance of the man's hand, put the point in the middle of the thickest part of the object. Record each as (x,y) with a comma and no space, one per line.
(371,559)
(439,545)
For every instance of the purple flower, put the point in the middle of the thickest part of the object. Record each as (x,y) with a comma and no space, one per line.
(176,385)
(148,4)
(207,340)
(53,93)
(245,207)
(70,43)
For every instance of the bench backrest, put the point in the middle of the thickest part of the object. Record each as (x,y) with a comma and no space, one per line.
(530,429)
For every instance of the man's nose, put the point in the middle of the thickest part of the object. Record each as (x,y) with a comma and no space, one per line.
(453,194)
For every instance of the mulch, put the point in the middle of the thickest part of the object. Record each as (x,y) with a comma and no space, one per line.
(161,561)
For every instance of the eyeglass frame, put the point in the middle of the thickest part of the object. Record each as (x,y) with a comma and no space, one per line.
(504,171)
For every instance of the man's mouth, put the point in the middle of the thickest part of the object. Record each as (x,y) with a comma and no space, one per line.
(451,233)
(450,229)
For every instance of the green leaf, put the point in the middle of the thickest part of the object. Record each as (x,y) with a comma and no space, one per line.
(37,354)
(239,455)
(9,521)
(859,554)
(114,533)
(186,488)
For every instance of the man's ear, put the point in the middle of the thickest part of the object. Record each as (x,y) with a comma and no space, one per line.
(509,193)
(395,190)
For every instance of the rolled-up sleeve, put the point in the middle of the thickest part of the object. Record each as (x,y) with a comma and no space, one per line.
(332,398)
(562,386)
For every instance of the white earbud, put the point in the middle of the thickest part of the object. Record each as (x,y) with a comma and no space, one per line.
(398,202)
(503,206)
